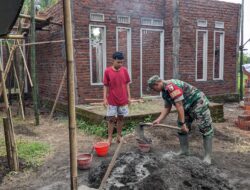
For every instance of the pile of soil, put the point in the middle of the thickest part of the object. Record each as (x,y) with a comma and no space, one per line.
(146,172)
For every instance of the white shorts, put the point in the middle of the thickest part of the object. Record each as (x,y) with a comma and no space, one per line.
(117,111)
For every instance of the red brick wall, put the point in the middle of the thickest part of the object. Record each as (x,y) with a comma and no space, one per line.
(190,11)
(111,8)
(51,57)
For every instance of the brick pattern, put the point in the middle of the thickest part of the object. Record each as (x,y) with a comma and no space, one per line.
(51,57)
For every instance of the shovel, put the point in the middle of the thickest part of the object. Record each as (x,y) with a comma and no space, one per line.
(140,131)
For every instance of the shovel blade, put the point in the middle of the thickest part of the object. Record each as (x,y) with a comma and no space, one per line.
(140,135)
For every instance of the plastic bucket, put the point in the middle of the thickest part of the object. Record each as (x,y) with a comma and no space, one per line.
(101,148)
(144,147)
(84,160)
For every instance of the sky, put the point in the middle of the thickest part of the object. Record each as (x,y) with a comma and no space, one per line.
(246,21)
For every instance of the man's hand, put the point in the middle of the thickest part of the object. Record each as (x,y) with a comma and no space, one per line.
(157,121)
(129,101)
(105,103)
(184,128)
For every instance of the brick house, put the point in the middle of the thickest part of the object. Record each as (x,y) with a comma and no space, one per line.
(194,40)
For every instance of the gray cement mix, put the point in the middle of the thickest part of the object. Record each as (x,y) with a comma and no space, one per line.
(138,171)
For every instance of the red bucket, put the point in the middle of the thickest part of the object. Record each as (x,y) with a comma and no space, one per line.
(84,160)
(101,148)
(144,147)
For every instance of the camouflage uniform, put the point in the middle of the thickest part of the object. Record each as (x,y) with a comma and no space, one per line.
(195,103)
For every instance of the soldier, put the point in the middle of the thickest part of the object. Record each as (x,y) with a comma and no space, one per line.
(191,104)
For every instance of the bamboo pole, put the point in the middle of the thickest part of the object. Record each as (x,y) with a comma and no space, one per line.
(111,165)
(33,64)
(25,64)
(9,115)
(7,141)
(71,91)
(53,41)
(20,95)
(58,94)
(12,36)
(241,50)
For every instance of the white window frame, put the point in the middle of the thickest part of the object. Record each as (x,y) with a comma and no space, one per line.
(202,23)
(219,25)
(205,49)
(97,14)
(123,16)
(161,55)
(129,47)
(222,49)
(104,53)
(151,21)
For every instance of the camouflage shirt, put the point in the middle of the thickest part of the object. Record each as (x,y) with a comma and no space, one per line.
(177,90)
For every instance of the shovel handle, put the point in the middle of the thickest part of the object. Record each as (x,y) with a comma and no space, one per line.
(163,125)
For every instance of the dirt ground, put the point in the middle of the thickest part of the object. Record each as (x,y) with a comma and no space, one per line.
(231,153)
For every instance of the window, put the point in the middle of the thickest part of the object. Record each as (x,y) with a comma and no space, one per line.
(123,44)
(202,23)
(123,19)
(219,25)
(218,69)
(97,17)
(97,36)
(201,55)
(151,22)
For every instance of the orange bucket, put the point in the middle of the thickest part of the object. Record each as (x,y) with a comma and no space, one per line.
(101,148)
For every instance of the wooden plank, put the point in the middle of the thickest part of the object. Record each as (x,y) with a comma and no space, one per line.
(58,94)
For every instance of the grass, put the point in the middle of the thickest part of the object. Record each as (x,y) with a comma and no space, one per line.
(32,152)
(101,129)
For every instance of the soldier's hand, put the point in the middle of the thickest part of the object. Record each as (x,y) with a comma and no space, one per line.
(155,122)
(184,128)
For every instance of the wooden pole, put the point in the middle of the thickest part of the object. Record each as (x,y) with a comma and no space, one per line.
(12,36)
(111,165)
(241,50)
(71,91)
(20,93)
(58,94)
(9,115)
(25,63)
(7,141)
(33,64)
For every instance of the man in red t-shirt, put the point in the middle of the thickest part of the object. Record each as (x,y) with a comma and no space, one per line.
(116,95)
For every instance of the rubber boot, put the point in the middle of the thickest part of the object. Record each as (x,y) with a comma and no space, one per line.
(183,145)
(207,143)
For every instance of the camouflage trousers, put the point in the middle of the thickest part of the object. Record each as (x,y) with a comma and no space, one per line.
(201,114)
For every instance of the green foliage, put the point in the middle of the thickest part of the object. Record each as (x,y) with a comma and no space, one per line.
(92,129)
(43,3)
(32,152)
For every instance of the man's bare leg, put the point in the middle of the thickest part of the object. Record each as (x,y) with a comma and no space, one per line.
(111,124)
(119,126)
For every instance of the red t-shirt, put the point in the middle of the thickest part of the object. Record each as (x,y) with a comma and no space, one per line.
(117,82)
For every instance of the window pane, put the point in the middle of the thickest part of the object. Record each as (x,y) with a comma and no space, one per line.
(201,55)
(218,55)
(97,57)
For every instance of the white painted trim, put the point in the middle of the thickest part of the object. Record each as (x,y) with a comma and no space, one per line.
(129,49)
(96,20)
(161,55)
(104,53)
(124,16)
(221,67)
(202,23)
(219,25)
(205,49)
